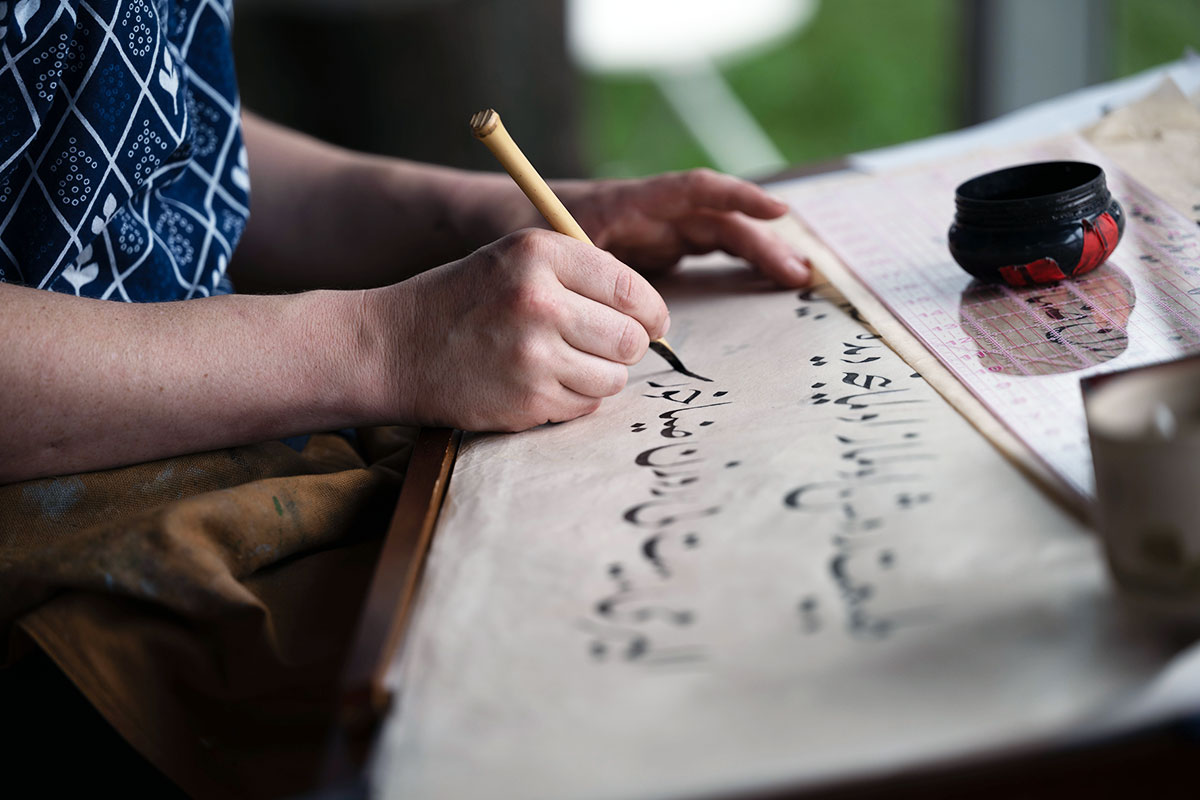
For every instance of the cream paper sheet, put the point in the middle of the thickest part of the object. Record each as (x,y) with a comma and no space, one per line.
(822,573)
(1157,139)
(807,569)
(1022,352)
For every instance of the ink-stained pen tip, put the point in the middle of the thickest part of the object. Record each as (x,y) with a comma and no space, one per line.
(661,347)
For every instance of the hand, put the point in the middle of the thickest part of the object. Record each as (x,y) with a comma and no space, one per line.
(534,328)
(651,223)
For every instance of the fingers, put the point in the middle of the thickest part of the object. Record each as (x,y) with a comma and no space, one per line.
(551,403)
(539,379)
(602,331)
(576,386)
(598,276)
(741,237)
(574,405)
(677,194)
(590,376)
(696,212)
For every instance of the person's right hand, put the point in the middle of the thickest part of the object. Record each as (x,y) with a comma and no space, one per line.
(536,327)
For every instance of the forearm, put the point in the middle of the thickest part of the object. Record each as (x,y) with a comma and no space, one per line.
(380,220)
(89,384)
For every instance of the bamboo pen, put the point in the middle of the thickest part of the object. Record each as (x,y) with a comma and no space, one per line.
(488,128)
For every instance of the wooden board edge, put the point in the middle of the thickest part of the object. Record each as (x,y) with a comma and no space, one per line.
(363,698)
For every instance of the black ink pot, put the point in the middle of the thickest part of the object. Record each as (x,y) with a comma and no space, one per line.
(1035,223)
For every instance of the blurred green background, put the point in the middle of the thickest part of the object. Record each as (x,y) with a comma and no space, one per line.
(401,77)
(863,74)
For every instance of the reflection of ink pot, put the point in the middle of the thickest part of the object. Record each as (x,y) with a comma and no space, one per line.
(1042,330)
(1144,426)
(1035,223)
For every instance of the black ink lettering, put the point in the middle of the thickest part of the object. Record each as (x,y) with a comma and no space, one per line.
(867,381)
(850,400)
(809,619)
(650,551)
(612,608)
(907,501)
(671,429)
(647,457)
(674,395)
(857,452)
(860,418)
(663,513)
(677,482)
(857,349)
(617,573)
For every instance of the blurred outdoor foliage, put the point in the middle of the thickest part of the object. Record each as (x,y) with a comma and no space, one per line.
(863,74)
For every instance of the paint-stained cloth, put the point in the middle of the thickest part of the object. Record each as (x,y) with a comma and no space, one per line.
(204,604)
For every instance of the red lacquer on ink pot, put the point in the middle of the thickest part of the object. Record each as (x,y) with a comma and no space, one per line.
(1035,223)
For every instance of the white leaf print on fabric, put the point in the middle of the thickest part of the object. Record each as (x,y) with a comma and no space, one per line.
(80,277)
(117,82)
(168,78)
(24,10)
(240,174)
(98,223)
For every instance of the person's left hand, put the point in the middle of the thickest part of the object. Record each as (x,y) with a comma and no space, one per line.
(650,223)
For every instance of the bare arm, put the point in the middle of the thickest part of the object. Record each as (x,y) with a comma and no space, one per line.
(89,384)
(326,217)
(379,220)
(94,383)
(531,328)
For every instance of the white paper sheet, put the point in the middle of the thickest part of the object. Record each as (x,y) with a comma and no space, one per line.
(1020,351)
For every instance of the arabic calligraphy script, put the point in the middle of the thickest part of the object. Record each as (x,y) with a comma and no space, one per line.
(868,403)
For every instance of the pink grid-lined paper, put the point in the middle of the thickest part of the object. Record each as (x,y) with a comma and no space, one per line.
(1022,351)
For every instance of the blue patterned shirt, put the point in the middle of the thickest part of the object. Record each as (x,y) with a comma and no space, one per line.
(122,170)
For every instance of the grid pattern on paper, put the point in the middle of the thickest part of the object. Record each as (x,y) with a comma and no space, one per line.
(1021,351)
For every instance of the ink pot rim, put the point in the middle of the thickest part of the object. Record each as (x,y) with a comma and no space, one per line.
(1038,194)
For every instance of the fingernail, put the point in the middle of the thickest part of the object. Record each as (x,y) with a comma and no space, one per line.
(666,327)
(800,267)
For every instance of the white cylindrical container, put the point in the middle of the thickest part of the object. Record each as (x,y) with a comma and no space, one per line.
(1144,426)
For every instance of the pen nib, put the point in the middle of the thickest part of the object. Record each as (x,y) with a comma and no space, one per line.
(663,349)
